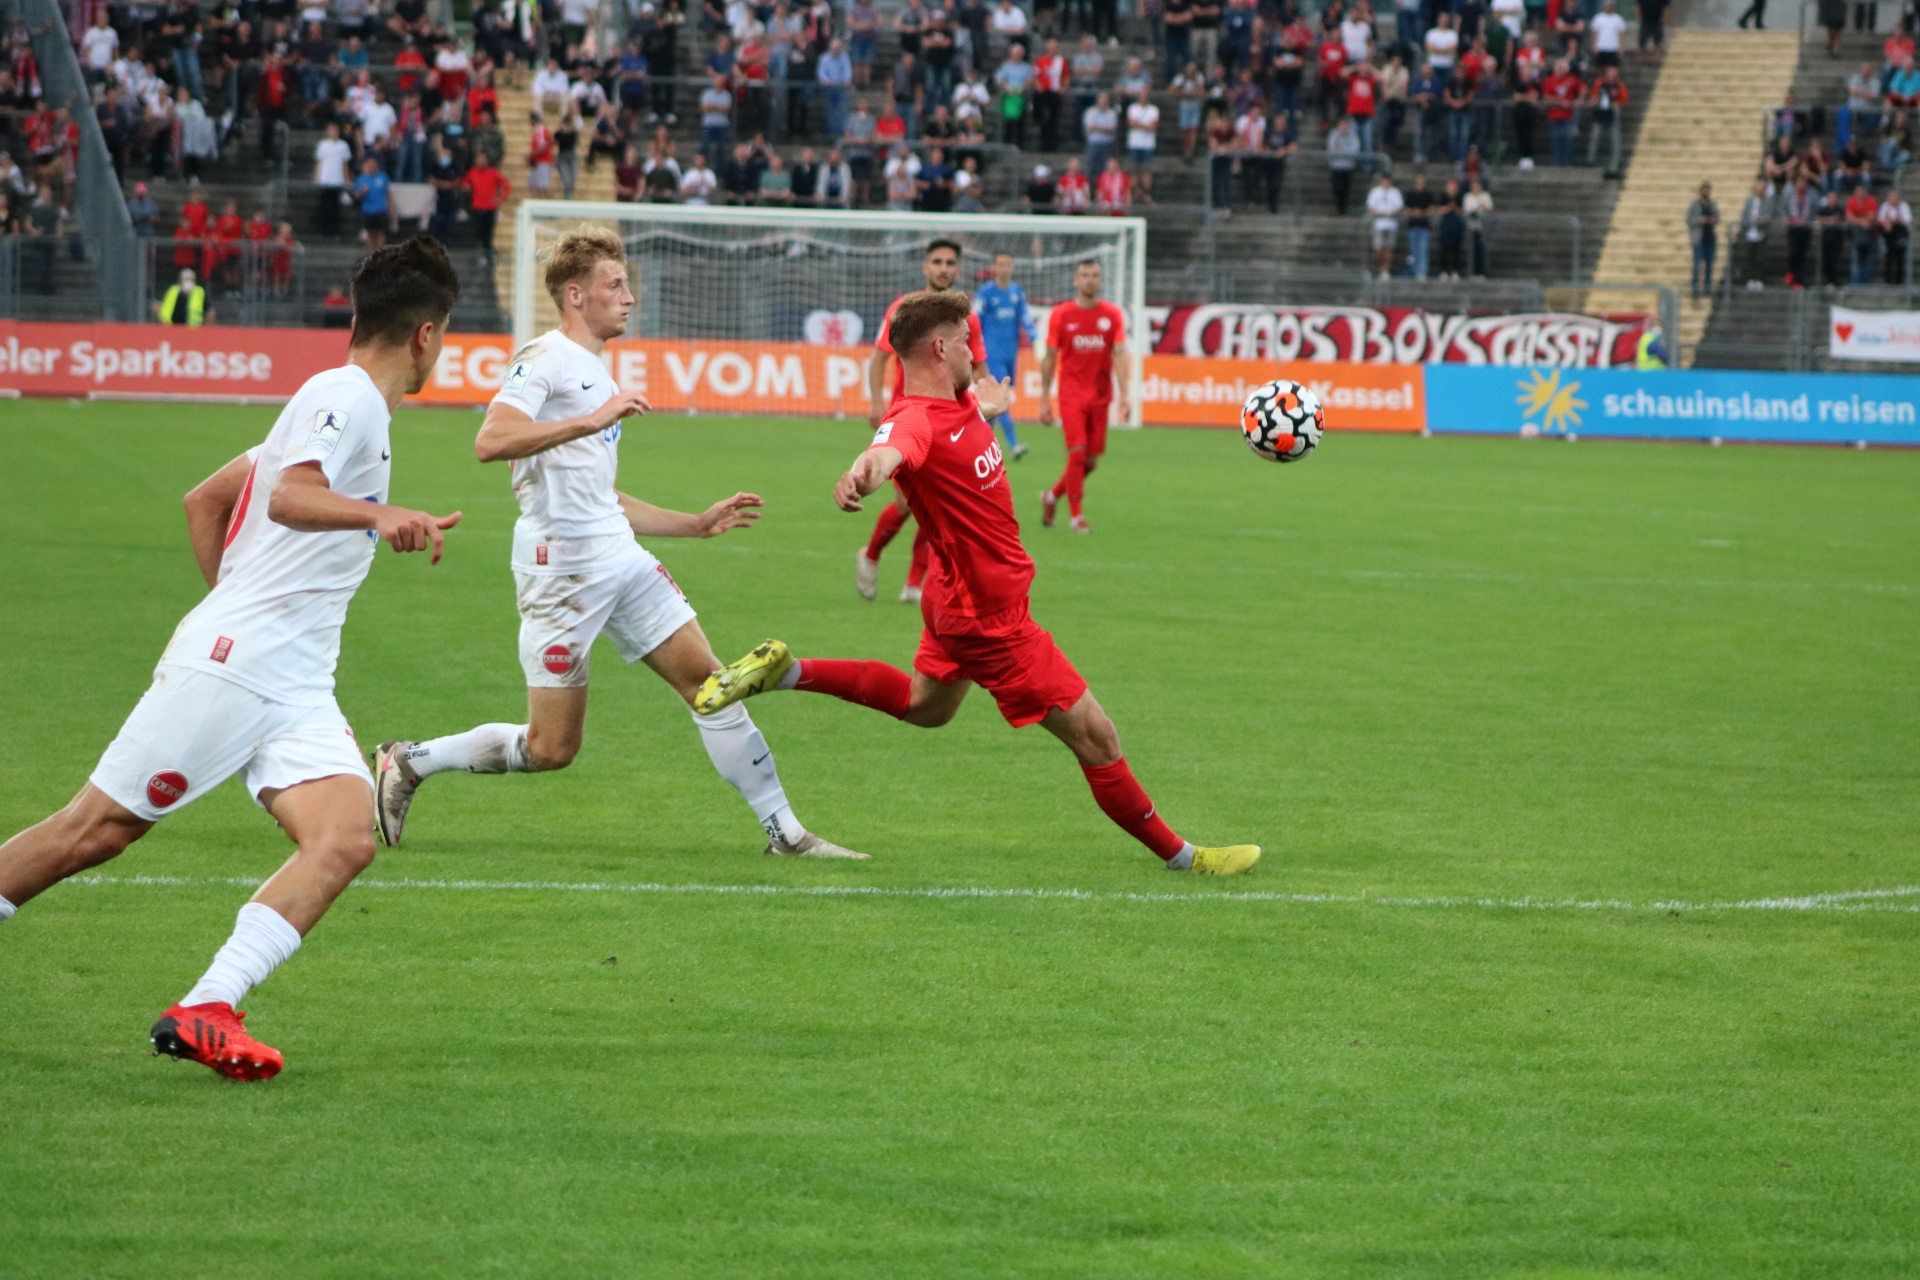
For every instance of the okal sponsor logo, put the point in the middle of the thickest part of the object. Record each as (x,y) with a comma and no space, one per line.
(166,787)
(558,659)
(221,648)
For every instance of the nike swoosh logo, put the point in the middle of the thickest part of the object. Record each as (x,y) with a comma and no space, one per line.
(756,762)
(955,437)
(385,454)
(586,386)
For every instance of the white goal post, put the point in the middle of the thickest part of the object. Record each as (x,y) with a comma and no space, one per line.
(791,283)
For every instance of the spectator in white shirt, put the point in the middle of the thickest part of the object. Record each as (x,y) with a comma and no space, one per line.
(1143,136)
(1443,43)
(698,182)
(1101,125)
(331,155)
(1384,204)
(377,119)
(1009,26)
(970,98)
(1356,34)
(551,83)
(1607,27)
(100,45)
(1896,228)
(1511,14)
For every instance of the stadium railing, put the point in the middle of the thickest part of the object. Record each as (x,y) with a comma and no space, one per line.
(1789,329)
(98,204)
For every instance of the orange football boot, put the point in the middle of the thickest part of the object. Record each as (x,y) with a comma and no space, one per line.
(211,1035)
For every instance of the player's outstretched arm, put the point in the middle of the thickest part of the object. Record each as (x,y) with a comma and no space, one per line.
(869,471)
(210,507)
(877,386)
(304,502)
(649,521)
(509,433)
(994,395)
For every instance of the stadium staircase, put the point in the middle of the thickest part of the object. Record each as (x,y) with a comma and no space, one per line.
(1701,124)
(516,127)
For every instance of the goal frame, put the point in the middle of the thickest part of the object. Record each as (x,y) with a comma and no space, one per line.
(1129,293)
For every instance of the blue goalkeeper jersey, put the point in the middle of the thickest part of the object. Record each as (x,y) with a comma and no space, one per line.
(1003,315)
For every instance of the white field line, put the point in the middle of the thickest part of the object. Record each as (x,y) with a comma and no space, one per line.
(1852,900)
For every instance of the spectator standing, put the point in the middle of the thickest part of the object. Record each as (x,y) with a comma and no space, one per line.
(1220,163)
(1050,76)
(1896,233)
(1427,103)
(1608,30)
(566,150)
(1394,84)
(1797,207)
(99,46)
(1863,232)
(1653,29)
(443,175)
(1864,95)
(907,92)
(858,142)
(1419,207)
(1343,158)
(1009,26)
(141,209)
(1101,126)
(936,182)
(1384,204)
(834,71)
(1289,50)
(1189,91)
(371,192)
(1086,69)
(1443,44)
(1561,92)
(1830,217)
(1458,103)
(1362,99)
(1205,38)
(1756,215)
(716,117)
(1014,77)
(863,37)
(331,156)
(1453,231)
(1115,190)
(1478,205)
(1143,137)
(1703,228)
(487,189)
(1607,97)
(1177,15)
(540,151)
(1409,27)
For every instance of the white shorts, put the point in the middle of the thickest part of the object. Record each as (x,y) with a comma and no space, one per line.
(632,598)
(192,731)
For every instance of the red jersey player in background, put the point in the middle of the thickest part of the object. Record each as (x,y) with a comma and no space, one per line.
(938,445)
(940,265)
(1083,339)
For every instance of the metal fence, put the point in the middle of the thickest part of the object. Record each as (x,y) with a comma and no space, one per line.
(1789,329)
(97,202)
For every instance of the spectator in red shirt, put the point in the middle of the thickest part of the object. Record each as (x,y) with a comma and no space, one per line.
(195,212)
(1115,189)
(1362,96)
(186,244)
(282,271)
(1562,92)
(487,188)
(1332,59)
(224,247)
(270,98)
(411,66)
(1863,230)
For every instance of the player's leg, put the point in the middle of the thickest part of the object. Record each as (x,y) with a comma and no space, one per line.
(1073,481)
(886,526)
(92,829)
(306,772)
(1089,431)
(930,696)
(736,746)
(560,616)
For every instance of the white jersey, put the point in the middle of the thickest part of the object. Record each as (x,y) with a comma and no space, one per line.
(569,516)
(272,623)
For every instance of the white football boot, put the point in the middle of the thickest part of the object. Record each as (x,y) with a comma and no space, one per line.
(811,846)
(866,574)
(394,783)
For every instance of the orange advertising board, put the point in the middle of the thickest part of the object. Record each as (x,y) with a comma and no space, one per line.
(797,378)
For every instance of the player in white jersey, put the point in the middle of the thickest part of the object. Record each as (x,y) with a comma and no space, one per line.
(284,534)
(579,570)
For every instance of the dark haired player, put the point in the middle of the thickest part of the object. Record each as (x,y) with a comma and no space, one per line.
(285,534)
(1083,338)
(937,445)
(940,266)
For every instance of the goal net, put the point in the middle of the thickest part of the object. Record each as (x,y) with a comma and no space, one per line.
(754,310)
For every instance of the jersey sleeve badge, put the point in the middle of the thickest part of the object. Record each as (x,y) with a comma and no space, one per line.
(884,434)
(517,377)
(328,426)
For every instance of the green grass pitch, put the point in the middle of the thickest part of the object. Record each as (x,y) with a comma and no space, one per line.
(1454,686)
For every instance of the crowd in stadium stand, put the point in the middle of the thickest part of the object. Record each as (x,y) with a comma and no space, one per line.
(1841,211)
(963,88)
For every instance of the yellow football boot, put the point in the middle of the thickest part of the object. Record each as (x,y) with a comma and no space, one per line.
(758,672)
(1229,861)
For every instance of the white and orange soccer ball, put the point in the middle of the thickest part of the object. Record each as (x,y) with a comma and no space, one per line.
(1282,421)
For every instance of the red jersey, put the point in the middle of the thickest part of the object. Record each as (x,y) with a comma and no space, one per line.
(955,479)
(488,185)
(259,229)
(196,213)
(976,343)
(1083,339)
(1333,59)
(1562,93)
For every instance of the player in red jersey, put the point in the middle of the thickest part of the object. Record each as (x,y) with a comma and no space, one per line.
(941,267)
(938,445)
(1084,338)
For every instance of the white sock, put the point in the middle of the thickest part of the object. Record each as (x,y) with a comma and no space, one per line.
(743,758)
(490,748)
(789,679)
(1183,860)
(261,940)
(6,910)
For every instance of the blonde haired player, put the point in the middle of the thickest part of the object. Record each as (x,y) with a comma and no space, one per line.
(284,534)
(578,568)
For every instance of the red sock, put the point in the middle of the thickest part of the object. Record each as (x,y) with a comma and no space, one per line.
(917,570)
(1124,800)
(871,684)
(1075,481)
(890,522)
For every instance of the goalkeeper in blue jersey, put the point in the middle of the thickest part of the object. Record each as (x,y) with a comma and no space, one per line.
(1002,308)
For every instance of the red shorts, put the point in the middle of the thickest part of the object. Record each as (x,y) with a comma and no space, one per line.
(1020,666)
(1085,424)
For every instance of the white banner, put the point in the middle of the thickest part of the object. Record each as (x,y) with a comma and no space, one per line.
(1874,335)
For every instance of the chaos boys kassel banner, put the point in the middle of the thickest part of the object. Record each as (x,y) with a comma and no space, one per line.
(1393,335)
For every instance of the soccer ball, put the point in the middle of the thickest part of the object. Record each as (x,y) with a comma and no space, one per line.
(1282,421)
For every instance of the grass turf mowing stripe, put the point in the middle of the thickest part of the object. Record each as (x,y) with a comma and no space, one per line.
(1845,900)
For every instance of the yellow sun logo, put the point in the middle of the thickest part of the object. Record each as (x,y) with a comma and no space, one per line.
(1555,405)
